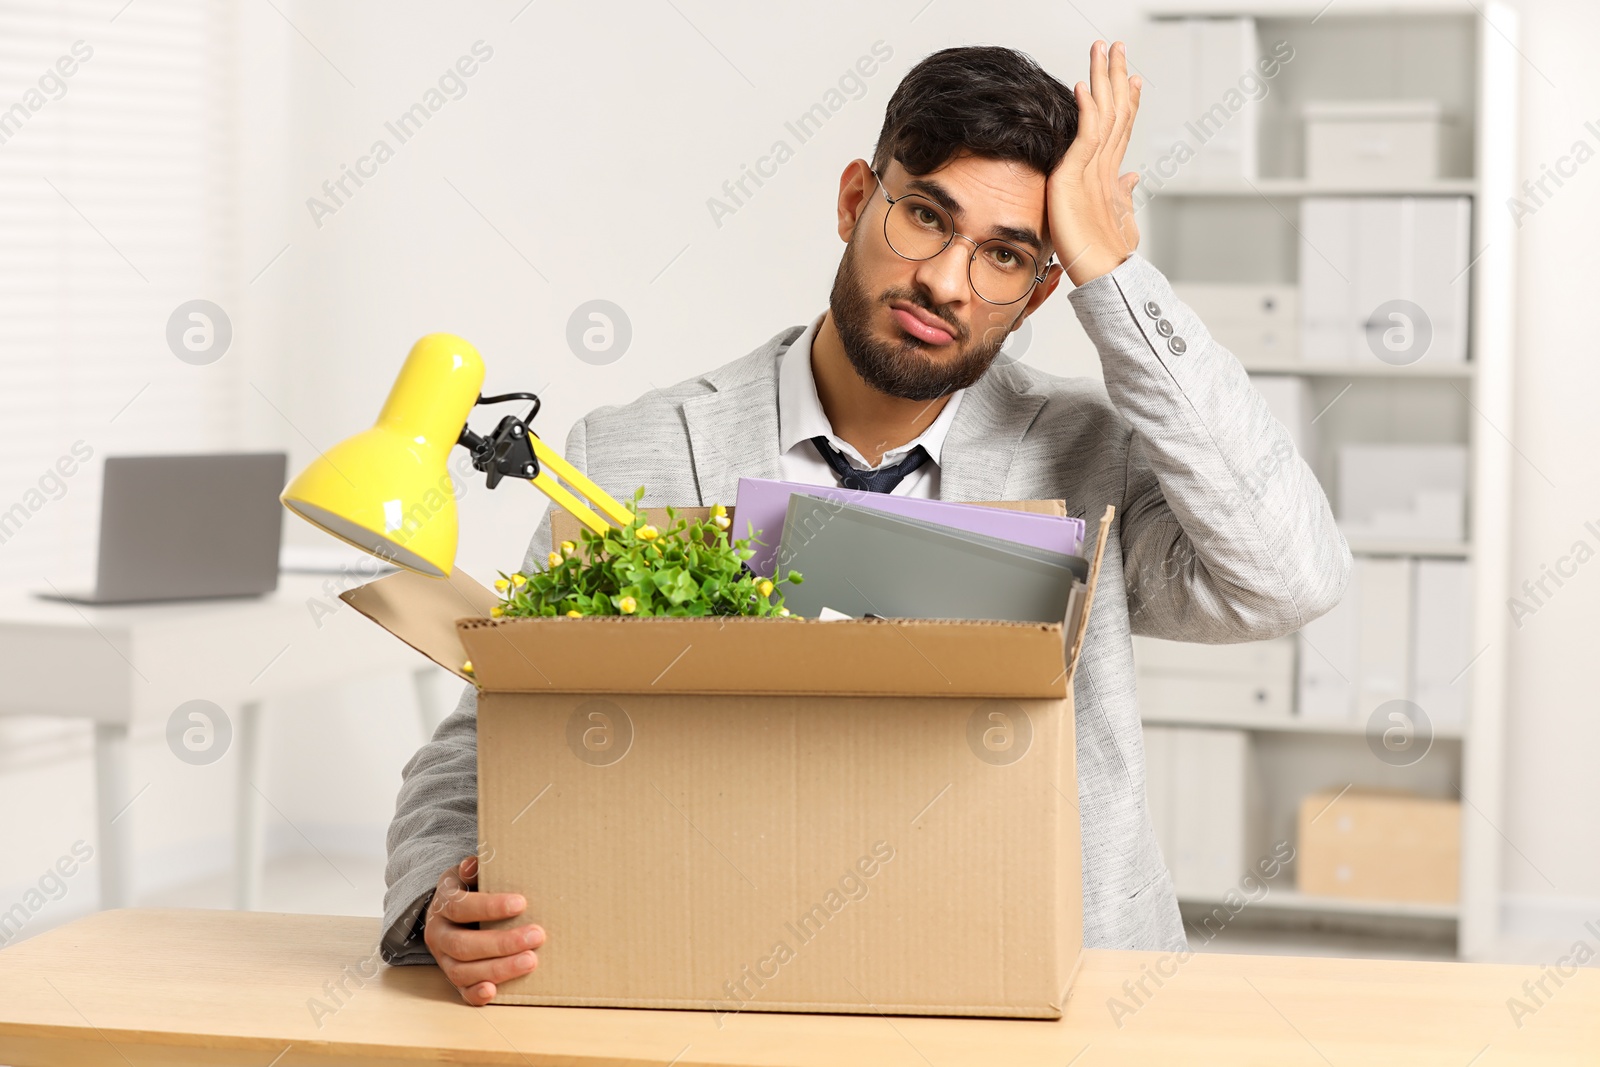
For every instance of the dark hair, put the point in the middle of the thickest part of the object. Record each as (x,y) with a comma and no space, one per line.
(981,99)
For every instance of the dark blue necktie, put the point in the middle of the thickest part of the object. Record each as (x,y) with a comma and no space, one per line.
(882,480)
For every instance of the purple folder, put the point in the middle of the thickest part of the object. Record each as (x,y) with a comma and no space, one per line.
(762,503)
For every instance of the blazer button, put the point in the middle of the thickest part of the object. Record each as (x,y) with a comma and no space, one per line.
(1164,328)
(1152,309)
(1178,346)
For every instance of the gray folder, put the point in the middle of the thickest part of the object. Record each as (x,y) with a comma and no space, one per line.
(860,561)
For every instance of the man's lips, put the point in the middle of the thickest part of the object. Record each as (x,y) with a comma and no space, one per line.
(923,325)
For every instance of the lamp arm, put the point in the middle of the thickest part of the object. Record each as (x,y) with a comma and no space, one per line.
(514,450)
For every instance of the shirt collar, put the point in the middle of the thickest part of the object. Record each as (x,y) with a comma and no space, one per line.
(800,414)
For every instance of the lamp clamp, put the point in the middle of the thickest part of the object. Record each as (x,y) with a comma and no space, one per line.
(508,451)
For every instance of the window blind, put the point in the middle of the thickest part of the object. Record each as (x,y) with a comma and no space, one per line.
(117,205)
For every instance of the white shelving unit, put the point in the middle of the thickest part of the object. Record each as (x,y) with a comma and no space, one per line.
(1463,54)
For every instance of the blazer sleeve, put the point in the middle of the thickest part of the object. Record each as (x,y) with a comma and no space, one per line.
(1226,534)
(435,824)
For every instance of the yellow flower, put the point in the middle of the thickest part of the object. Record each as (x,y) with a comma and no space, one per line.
(717,510)
(764,586)
(519,579)
(574,614)
(648,532)
(783,612)
(466,666)
(722,522)
(496,611)
(568,548)
(500,584)
(628,605)
(553,559)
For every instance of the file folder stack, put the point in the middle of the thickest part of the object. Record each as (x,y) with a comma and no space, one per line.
(873,554)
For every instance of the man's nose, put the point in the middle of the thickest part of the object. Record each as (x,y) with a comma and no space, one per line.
(945,275)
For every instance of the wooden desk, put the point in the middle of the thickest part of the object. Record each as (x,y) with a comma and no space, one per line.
(171,987)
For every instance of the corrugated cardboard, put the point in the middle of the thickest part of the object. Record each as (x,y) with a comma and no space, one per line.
(774,815)
(1380,845)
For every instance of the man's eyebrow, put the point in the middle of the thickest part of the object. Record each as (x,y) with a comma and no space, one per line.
(940,195)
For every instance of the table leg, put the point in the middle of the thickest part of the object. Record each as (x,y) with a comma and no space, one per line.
(248,854)
(111,797)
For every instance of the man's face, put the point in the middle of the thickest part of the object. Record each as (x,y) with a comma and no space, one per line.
(915,328)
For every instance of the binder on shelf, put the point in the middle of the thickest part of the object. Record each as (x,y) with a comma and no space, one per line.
(1362,254)
(1383,657)
(1205,805)
(1442,642)
(1327,660)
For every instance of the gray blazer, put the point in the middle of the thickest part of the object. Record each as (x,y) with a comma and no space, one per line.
(1222,534)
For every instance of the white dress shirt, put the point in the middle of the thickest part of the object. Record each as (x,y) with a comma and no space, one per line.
(800,418)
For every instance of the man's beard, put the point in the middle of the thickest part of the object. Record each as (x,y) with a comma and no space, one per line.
(900,368)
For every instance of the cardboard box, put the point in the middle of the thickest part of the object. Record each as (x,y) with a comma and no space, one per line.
(773,815)
(1378,845)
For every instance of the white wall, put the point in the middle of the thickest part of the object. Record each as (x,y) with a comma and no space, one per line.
(590,143)
(1552,874)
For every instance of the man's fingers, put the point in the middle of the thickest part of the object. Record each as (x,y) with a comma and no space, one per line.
(466,943)
(464,974)
(477,995)
(1100,85)
(1123,103)
(482,907)
(1135,90)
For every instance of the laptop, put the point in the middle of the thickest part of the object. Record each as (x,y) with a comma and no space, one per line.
(187,527)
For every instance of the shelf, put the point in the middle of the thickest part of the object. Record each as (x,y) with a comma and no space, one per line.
(1264,724)
(1294,900)
(1364,369)
(1278,10)
(1364,546)
(1301,187)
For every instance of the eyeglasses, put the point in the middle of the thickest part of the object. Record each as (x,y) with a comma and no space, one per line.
(917,229)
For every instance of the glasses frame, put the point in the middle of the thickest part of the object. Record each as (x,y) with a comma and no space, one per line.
(1038,279)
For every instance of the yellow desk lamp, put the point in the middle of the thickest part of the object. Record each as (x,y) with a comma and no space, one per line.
(387,490)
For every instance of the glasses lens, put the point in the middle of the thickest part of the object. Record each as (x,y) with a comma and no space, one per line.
(917,228)
(1002,273)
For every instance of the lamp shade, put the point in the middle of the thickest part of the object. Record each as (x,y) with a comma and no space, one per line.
(388,490)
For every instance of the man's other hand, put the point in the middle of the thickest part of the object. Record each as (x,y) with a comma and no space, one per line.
(475,960)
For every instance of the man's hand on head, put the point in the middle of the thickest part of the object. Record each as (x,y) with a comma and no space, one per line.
(1090,204)
(475,960)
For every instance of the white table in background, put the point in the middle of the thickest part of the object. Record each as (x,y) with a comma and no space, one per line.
(117,665)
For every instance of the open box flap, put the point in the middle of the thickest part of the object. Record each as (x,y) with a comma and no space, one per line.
(423,611)
(1078,625)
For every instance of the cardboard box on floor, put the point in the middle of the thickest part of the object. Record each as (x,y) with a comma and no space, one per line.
(1373,844)
(743,814)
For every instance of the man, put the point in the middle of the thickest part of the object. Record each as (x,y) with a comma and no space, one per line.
(986,171)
